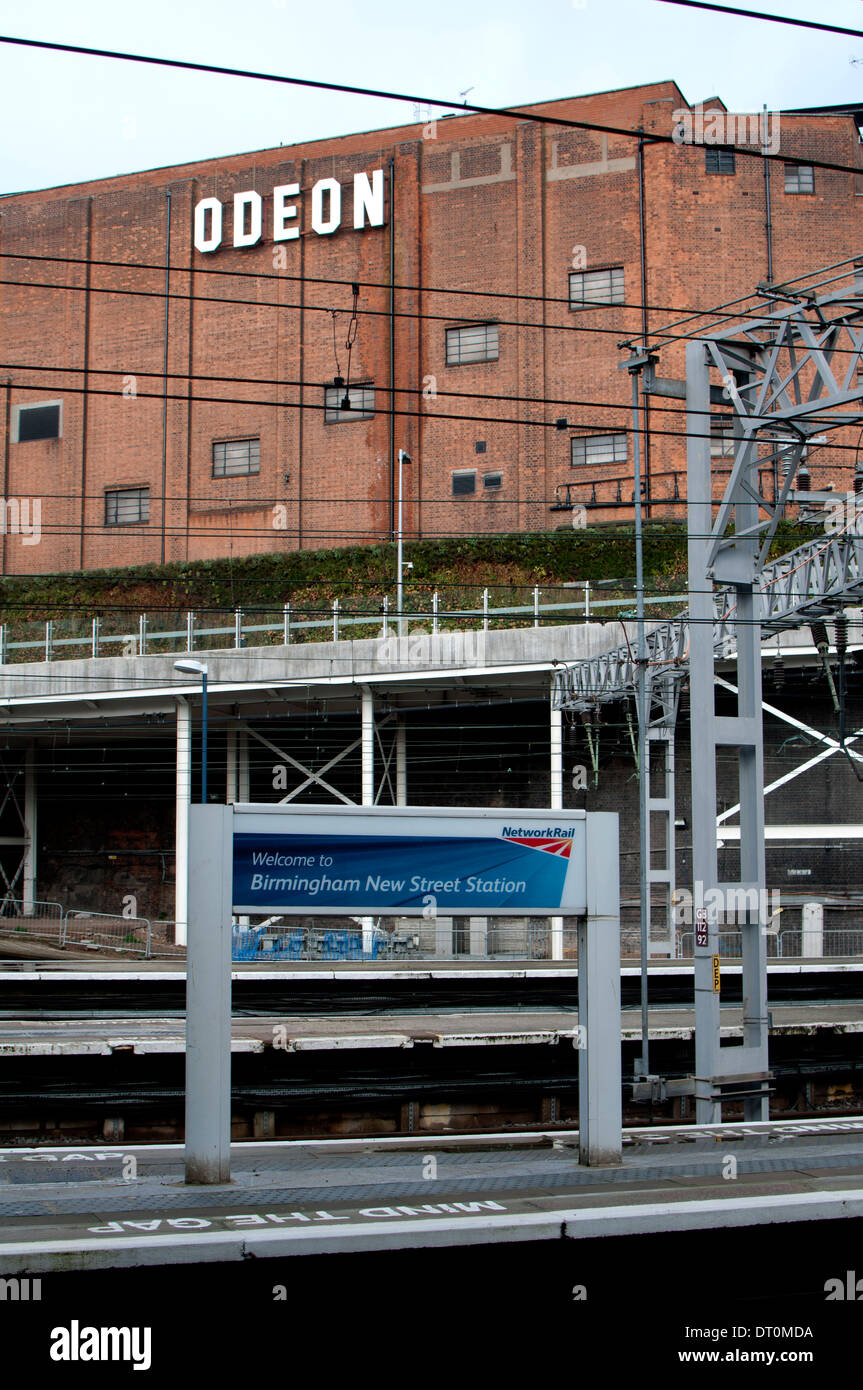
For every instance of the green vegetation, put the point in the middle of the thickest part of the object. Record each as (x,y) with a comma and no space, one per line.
(359,576)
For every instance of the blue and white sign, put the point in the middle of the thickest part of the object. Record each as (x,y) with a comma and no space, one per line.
(400,862)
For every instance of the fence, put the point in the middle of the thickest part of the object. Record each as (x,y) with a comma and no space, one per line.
(444,939)
(259,944)
(782,945)
(37,919)
(162,939)
(104,930)
(138,638)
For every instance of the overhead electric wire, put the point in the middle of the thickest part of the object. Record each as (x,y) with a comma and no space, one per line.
(716,312)
(508,113)
(511,114)
(772,18)
(479,395)
(316,308)
(425,416)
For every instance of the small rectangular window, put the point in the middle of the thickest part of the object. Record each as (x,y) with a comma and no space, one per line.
(39,421)
(463,484)
(721,436)
(718,161)
(596,287)
(492,480)
(126,506)
(360,403)
(799,178)
(235,456)
(475,342)
(599,448)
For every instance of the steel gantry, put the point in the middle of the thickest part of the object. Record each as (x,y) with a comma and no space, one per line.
(786,377)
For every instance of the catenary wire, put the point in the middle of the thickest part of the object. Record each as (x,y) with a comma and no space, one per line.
(509,113)
(772,18)
(185,398)
(755,315)
(481,395)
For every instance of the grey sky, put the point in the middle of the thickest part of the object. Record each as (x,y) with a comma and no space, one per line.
(67,119)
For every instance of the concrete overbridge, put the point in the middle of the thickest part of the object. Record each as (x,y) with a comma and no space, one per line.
(353,722)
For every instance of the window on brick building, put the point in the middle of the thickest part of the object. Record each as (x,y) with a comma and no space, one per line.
(43,421)
(721,436)
(718,161)
(235,456)
(125,506)
(598,448)
(596,287)
(464,483)
(474,342)
(492,480)
(799,178)
(361,399)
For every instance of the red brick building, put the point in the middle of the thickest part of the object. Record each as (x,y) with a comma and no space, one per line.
(165,402)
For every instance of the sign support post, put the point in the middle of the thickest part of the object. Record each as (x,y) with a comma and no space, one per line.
(599,1065)
(208,996)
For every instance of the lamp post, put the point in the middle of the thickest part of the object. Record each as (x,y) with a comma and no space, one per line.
(403,458)
(198,668)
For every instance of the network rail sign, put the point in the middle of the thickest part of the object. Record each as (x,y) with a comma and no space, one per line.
(406,861)
(394,861)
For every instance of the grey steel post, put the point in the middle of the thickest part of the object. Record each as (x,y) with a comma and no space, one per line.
(208,995)
(752,858)
(748,733)
(704,860)
(555,801)
(599,1069)
(403,459)
(643,1062)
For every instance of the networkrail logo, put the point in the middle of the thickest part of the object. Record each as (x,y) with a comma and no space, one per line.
(551,841)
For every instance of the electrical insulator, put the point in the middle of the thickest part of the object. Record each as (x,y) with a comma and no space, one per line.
(804,481)
(819,636)
(840,631)
(779,672)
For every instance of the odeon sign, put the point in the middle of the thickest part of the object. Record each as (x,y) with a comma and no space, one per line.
(326,212)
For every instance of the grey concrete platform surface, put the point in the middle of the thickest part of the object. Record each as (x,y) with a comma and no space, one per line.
(326,1033)
(91,1208)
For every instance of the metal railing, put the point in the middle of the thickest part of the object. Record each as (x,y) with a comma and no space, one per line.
(140,638)
(163,939)
(787,944)
(419,940)
(514,940)
(37,919)
(106,931)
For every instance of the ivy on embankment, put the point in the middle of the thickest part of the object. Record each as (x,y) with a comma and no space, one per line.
(461,565)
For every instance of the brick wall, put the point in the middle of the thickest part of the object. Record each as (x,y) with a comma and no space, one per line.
(506,207)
